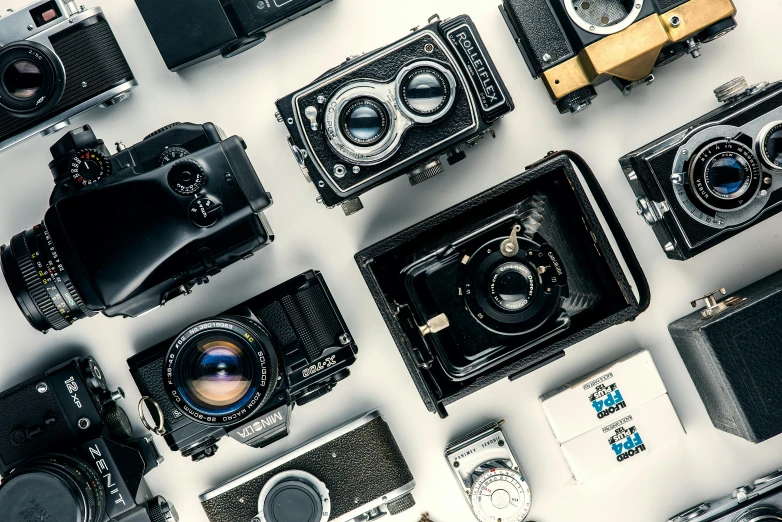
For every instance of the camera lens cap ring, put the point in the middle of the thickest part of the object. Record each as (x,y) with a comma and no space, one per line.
(294,496)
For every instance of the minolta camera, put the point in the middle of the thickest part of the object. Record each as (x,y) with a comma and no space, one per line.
(489,475)
(760,501)
(57,60)
(498,285)
(128,232)
(395,111)
(355,472)
(240,373)
(190,31)
(715,176)
(574,45)
(66,452)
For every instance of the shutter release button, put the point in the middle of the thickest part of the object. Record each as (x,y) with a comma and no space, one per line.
(205,212)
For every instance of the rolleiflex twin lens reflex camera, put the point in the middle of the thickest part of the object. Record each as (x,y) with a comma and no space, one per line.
(240,373)
(190,31)
(354,473)
(500,284)
(395,111)
(56,61)
(66,452)
(760,501)
(715,176)
(489,475)
(129,232)
(574,45)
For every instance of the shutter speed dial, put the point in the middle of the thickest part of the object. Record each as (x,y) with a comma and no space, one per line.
(186,178)
(170,154)
(499,493)
(88,166)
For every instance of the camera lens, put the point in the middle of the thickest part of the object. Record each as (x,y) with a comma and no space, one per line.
(512,286)
(365,121)
(221,369)
(424,91)
(725,175)
(22,79)
(771,148)
(39,282)
(728,176)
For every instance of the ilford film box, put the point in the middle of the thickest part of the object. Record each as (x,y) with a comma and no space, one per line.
(602,395)
(626,438)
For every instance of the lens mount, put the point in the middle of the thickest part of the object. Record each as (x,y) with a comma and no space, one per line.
(426,91)
(41,286)
(294,495)
(725,175)
(604,17)
(769,146)
(32,79)
(221,370)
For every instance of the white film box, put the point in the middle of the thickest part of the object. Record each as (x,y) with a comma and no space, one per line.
(602,395)
(627,438)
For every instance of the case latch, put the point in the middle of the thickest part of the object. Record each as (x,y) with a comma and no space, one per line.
(712,306)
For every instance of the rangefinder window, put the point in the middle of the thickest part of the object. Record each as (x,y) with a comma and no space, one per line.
(43,14)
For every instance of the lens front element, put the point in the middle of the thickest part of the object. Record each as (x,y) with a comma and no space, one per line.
(725,175)
(512,286)
(365,121)
(728,176)
(32,79)
(771,146)
(424,91)
(22,79)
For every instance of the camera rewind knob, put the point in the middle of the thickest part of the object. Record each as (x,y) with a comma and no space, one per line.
(160,510)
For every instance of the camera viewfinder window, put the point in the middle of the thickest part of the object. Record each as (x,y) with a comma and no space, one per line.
(45,13)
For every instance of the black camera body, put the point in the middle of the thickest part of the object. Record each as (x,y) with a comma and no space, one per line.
(66,451)
(172,210)
(395,111)
(190,31)
(502,283)
(240,373)
(715,176)
(354,472)
(730,350)
(58,60)
(573,45)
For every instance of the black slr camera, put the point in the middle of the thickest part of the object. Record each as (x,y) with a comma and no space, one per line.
(574,45)
(56,61)
(190,31)
(355,472)
(760,501)
(395,111)
(500,284)
(240,373)
(713,177)
(66,452)
(129,232)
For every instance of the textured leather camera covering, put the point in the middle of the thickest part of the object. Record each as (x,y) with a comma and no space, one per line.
(733,359)
(537,32)
(557,165)
(368,465)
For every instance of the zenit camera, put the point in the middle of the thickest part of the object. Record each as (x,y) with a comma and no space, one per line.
(574,45)
(395,111)
(56,61)
(760,501)
(240,373)
(66,452)
(190,31)
(129,232)
(317,482)
(715,176)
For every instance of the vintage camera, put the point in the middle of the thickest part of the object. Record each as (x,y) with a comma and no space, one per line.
(56,61)
(66,452)
(240,373)
(489,475)
(395,111)
(99,250)
(500,284)
(190,31)
(574,45)
(715,176)
(355,472)
(760,501)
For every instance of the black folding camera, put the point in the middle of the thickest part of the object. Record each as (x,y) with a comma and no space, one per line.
(56,61)
(66,452)
(502,283)
(129,232)
(715,176)
(320,480)
(395,111)
(730,349)
(190,31)
(574,45)
(240,373)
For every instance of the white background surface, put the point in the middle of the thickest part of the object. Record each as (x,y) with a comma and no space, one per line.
(238,95)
